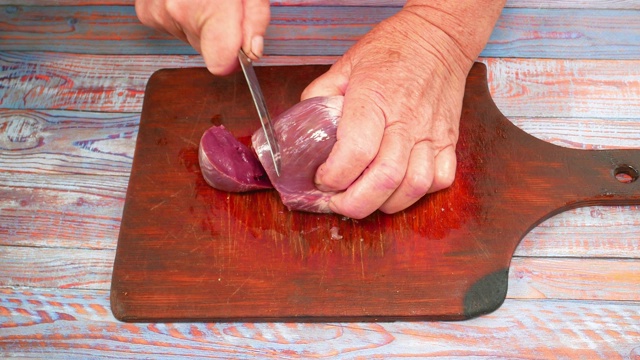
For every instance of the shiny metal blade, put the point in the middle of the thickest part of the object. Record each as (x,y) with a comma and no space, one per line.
(261,106)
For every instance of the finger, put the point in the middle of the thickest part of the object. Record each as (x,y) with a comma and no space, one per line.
(333,82)
(221,37)
(195,41)
(380,180)
(417,181)
(150,12)
(153,14)
(358,139)
(444,169)
(254,26)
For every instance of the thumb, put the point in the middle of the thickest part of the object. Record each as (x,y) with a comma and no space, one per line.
(257,15)
(333,82)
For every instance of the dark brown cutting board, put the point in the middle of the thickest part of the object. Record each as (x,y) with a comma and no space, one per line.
(187,252)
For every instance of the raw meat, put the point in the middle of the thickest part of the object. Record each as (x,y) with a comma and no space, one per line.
(229,165)
(306,134)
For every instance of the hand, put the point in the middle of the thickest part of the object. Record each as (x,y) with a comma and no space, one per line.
(216,29)
(403,85)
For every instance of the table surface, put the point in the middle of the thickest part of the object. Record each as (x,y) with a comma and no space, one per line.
(72,78)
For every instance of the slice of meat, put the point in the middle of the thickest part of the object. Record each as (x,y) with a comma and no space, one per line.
(229,165)
(306,134)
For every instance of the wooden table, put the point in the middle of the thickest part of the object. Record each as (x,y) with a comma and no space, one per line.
(72,80)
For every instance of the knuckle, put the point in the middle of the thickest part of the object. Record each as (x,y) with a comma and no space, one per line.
(361,154)
(174,8)
(417,185)
(443,180)
(400,130)
(388,176)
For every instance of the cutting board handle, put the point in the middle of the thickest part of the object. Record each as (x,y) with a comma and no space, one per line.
(560,177)
(606,177)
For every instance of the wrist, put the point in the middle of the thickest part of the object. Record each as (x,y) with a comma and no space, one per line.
(468,23)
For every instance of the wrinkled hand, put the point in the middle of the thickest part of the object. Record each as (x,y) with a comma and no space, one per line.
(403,84)
(216,29)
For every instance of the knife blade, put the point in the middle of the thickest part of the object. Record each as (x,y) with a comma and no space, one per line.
(261,106)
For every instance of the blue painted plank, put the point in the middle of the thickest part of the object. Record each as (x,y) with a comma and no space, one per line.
(520,87)
(78,324)
(310,31)
(69,142)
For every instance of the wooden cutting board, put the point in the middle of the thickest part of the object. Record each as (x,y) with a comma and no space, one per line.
(187,252)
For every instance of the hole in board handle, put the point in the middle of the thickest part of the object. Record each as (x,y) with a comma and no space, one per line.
(626,174)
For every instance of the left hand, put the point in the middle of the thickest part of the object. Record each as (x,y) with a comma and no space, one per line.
(403,84)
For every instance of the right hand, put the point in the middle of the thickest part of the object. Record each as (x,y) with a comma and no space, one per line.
(216,29)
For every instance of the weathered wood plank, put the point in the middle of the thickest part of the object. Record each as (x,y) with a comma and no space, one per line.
(520,87)
(583,89)
(321,30)
(62,211)
(56,268)
(529,278)
(574,279)
(583,133)
(74,323)
(565,4)
(67,142)
(599,231)
(40,81)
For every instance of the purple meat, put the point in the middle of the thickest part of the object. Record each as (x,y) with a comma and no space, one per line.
(229,165)
(306,134)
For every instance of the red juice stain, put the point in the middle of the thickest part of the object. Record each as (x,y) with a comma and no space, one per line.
(262,215)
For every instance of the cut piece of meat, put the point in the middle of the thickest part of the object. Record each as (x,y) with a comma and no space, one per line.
(229,165)
(306,134)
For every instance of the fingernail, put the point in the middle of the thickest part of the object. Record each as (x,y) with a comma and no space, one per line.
(319,185)
(317,182)
(323,188)
(257,46)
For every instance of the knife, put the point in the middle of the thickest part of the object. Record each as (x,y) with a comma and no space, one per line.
(261,106)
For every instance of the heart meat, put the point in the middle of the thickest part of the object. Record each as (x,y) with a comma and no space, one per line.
(229,165)
(305,133)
